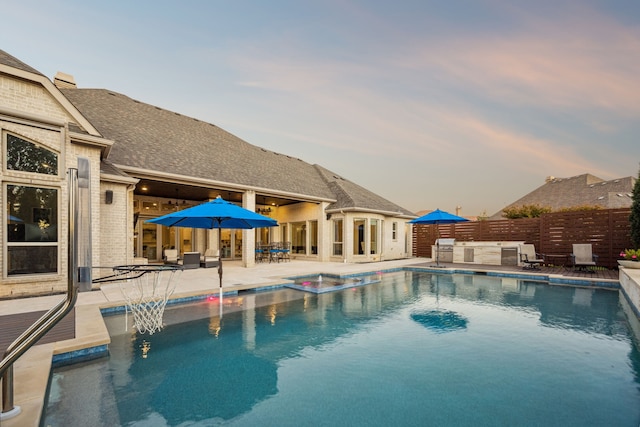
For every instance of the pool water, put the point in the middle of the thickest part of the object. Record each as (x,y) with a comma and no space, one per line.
(415,349)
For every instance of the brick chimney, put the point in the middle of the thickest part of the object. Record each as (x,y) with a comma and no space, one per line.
(64,81)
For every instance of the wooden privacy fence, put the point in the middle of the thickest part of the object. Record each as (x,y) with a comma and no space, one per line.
(608,230)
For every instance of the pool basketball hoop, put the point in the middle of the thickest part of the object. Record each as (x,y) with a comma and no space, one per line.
(146,289)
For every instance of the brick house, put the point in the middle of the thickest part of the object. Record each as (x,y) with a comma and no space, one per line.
(146,162)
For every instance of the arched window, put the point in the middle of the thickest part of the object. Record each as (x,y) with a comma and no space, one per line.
(26,156)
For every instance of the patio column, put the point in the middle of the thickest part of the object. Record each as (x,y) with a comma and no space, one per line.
(249,236)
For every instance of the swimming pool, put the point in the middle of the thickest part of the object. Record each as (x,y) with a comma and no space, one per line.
(503,352)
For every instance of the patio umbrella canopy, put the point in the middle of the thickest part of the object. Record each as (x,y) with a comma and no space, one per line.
(438,217)
(217,213)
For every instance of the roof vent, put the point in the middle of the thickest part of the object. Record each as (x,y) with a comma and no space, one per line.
(549,178)
(601,197)
(64,81)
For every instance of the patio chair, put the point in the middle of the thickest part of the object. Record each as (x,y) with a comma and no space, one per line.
(285,250)
(529,258)
(190,260)
(211,258)
(274,250)
(262,253)
(583,257)
(170,256)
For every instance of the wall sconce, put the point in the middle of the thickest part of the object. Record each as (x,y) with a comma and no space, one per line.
(328,216)
(108,197)
(263,211)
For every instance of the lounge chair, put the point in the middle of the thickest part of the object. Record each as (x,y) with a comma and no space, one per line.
(190,260)
(211,258)
(583,257)
(529,258)
(170,256)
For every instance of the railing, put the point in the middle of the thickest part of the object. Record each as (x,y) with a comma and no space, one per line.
(25,341)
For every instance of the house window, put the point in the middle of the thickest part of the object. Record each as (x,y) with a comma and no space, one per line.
(358,236)
(32,230)
(299,237)
(373,236)
(26,156)
(313,236)
(337,237)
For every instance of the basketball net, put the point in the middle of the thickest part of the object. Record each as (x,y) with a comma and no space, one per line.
(146,291)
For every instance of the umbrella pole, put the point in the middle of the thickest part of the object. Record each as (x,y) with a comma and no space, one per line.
(220,263)
(437,245)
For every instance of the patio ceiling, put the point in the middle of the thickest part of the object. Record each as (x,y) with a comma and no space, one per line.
(180,192)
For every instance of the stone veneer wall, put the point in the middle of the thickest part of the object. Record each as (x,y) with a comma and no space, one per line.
(630,283)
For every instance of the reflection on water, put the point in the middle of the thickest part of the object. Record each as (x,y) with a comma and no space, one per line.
(283,354)
(440,321)
(145,347)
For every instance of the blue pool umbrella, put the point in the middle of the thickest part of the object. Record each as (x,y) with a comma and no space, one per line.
(217,213)
(438,217)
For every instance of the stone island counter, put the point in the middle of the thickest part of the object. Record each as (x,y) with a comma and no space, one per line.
(490,253)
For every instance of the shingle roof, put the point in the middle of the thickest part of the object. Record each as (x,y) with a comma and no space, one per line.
(352,196)
(581,190)
(108,168)
(14,62)
(149,137)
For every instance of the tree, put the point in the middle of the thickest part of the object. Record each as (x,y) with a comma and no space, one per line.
(634,218)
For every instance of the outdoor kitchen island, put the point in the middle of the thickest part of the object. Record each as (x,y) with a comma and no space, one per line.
(490,253)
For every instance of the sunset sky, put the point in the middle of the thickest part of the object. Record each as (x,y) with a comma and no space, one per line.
(431,104)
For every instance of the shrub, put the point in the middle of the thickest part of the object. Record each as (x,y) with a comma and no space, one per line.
(525,211)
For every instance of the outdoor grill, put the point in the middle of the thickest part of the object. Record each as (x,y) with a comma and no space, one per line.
(444,247)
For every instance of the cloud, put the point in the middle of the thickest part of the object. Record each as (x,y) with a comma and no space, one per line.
(588,62)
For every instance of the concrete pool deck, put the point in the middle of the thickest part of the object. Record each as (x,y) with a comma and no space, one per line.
(31,371)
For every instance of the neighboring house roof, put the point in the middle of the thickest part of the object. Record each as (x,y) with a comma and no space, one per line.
(581,190)
(151,138)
